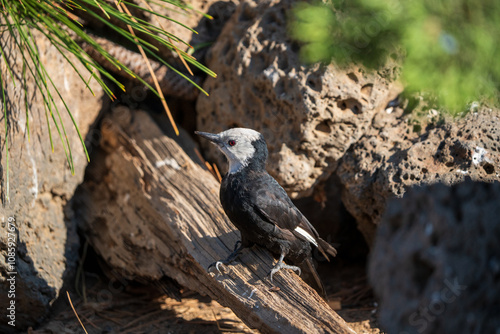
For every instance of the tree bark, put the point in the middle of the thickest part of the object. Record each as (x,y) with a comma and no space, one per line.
(150,211)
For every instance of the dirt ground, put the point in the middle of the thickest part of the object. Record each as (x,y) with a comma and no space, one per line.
(141,309)
(120,306)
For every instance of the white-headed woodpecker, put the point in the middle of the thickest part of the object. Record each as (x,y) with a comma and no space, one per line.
(260,208)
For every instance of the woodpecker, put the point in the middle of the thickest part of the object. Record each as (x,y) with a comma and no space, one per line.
(260,208)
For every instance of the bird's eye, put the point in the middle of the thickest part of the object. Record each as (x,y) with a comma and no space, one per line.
(231,142)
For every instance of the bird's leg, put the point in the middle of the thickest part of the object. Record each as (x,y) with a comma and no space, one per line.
(233,256)
(282,265)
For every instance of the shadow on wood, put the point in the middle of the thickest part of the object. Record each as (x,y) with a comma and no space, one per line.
(150,212)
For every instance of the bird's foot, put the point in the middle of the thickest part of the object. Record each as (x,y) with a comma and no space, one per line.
(281,265)
(217,265)
(233,256)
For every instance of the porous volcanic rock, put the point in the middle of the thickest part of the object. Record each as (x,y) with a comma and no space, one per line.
(390,158)
(43,240)
(436,261)
(309,115)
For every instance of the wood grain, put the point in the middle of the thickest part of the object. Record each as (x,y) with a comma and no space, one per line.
(150,211)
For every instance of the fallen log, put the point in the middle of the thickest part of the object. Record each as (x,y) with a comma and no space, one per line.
(150,211)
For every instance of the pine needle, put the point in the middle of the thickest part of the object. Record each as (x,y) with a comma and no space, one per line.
(105,13)
(170,40)
(213,170)
(153,75)
(217,172)
(76,314)
(210,168)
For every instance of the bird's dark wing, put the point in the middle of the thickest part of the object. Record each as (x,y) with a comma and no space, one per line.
(274,206)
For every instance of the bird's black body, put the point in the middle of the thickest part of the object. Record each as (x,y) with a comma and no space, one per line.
(256,211)
(261,209)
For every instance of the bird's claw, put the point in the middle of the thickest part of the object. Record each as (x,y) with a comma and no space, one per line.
(233,256)
(217,265)
(280,266)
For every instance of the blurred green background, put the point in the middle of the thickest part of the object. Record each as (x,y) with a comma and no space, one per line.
(447,49)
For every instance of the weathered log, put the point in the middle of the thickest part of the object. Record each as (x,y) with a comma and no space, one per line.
(150,212)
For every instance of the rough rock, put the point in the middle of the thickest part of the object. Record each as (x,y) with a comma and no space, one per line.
(390,158)
(436,261)
(309,115)
(40,184)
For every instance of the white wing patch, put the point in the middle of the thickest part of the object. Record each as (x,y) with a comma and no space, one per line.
(306,235)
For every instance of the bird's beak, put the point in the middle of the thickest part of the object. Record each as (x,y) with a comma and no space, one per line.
(210,136)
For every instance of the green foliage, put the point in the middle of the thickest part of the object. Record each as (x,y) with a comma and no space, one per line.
(446,47)
(56,20)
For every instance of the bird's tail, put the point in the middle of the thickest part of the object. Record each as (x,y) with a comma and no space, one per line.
(325,248)
(308,267)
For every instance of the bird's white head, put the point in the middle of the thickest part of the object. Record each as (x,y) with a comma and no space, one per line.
(241,146)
